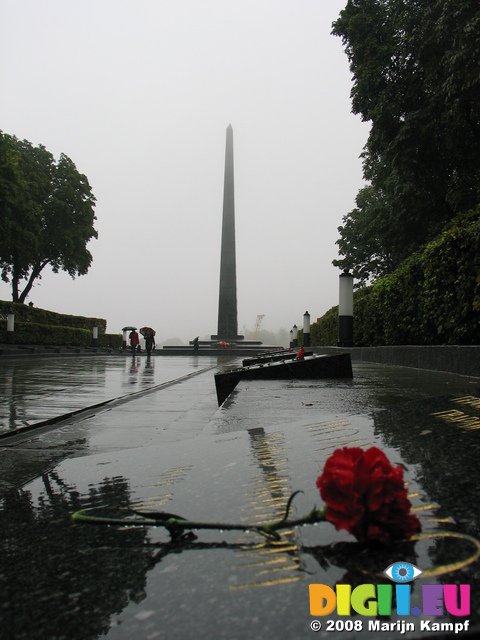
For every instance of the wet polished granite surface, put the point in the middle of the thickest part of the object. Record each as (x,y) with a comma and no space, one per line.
(175,450)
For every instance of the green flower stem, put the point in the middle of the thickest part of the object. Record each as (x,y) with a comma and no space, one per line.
(176,525)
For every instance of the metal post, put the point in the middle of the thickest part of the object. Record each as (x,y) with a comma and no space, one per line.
(306,329)
(10,328)
(291,338)
(295,336)
(345,310)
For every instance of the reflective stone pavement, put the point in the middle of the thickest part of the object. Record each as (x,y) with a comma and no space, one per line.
(173,449)
(37,389)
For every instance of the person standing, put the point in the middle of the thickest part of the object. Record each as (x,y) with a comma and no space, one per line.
(149,342)
(134,341)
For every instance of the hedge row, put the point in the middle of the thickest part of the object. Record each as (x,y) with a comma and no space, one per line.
(110,340)
(31,333)
(25,313)
(432,298)
(326,331)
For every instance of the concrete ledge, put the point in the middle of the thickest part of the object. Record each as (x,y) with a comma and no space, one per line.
(460,359)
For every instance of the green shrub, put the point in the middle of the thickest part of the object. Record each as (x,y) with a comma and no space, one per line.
(432,298)
(25,313)
(110,340)
(41,327)
(38,334)
(31,333)
(324,332)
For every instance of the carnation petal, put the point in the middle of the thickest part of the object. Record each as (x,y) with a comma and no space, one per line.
(366,495)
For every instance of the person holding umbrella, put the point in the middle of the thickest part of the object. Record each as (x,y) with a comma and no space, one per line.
(149,342)
(134,341)
(149,334)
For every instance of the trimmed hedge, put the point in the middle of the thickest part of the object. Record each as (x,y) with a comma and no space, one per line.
(40,334)
(25,313)
(30,333)
(432,298)
(41,327)
(110,340)
(323,332)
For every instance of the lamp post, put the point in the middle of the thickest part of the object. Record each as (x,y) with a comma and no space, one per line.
(306,329)
(10,328)
(291,338)
(295,336)
(345,310)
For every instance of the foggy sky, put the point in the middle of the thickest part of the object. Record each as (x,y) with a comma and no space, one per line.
(139,95)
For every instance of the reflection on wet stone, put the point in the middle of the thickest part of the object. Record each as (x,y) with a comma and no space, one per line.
(268,494)
(37,389)
(167,479)
(269,453)
(331,434)
(174,450)
(445,453)
(44,589)
(442,443)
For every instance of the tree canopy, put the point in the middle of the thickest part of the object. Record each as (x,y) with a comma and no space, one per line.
(46,215)
(416,77)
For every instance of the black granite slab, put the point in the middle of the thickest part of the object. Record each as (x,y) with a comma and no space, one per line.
(178,452)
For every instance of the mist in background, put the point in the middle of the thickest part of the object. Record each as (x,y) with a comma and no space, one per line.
(139,96)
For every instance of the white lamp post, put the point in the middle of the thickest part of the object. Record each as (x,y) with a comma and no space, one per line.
(10,328)
(306,329)
(345,310)
(295,336)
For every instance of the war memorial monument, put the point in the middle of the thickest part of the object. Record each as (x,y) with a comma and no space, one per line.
(140,447)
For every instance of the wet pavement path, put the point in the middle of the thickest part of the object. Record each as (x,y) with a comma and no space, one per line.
(175,450)
(37,389)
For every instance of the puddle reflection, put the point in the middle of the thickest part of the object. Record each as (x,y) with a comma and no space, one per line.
(86,577)
(40,389)
(56,576)
(78,578)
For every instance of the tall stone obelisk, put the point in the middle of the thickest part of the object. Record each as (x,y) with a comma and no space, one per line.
(227,301)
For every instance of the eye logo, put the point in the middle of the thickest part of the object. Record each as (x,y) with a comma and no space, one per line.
(402,572)
(378,600)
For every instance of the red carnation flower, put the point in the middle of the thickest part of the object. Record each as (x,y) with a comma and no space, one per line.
(366,496)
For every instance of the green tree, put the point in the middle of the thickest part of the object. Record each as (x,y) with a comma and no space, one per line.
(367,240)
(46,215)
(416,77)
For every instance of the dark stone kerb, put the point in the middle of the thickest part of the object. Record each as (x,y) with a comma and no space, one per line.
(459,359)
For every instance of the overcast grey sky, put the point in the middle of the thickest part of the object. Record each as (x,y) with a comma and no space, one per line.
(139,95)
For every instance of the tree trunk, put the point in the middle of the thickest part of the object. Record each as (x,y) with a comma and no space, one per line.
(36,271)
(15,280)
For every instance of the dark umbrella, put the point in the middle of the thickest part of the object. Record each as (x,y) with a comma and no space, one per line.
(129,329)
(145,331)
